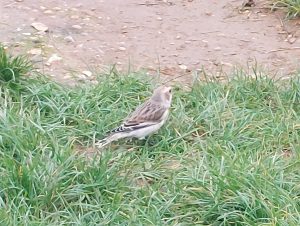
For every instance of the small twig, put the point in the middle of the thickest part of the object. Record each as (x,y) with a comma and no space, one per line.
(206,32)
(172,79)
(282,49)
(284,28)
(147,4)
(9,5)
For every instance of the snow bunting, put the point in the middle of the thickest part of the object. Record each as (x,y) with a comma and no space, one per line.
(145,120)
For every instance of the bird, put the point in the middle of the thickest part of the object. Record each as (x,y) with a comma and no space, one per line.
(145,119)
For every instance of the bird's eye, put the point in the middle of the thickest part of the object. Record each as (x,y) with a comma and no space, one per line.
(170,91)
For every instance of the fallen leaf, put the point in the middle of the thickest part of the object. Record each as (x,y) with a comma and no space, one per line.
(87,73)
(39,26)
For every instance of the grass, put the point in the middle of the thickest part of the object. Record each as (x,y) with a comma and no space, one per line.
(229,155)
(292,6)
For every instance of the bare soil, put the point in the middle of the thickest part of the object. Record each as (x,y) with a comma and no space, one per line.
(173,37)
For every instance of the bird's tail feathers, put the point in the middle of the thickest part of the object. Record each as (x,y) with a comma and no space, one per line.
(107,140)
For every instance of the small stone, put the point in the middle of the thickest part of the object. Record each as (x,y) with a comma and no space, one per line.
(208,13)
(76,26)
(217,48)
(74,17)
(178,37)
(26,34)
(35,51)
(53,58)
(87,73)
(159,18)
(48,11)
(122,48)
(292,40)
(69,39)
(39,26)
(81,77)
(183,67)
(57,8)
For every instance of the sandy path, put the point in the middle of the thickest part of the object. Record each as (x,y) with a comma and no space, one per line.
(174,36)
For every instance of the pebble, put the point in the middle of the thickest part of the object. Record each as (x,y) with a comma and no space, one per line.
(48,11)
(53,58)
(122,48)
(69,39)
(35,51)
(76,26)
(74,17)
(183,67)
(57,8)
(81,77)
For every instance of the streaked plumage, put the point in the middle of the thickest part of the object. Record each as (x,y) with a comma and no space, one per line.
(145,120)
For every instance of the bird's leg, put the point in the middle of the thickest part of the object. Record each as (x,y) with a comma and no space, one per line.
(151,142)
(128,140)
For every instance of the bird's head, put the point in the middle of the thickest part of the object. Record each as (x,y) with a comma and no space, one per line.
(163,96)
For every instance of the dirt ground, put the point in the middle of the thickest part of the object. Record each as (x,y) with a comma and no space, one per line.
(174,37)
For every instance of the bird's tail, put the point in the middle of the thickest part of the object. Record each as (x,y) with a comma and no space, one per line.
(107,140)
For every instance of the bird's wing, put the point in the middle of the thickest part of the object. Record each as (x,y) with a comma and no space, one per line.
(147,114)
